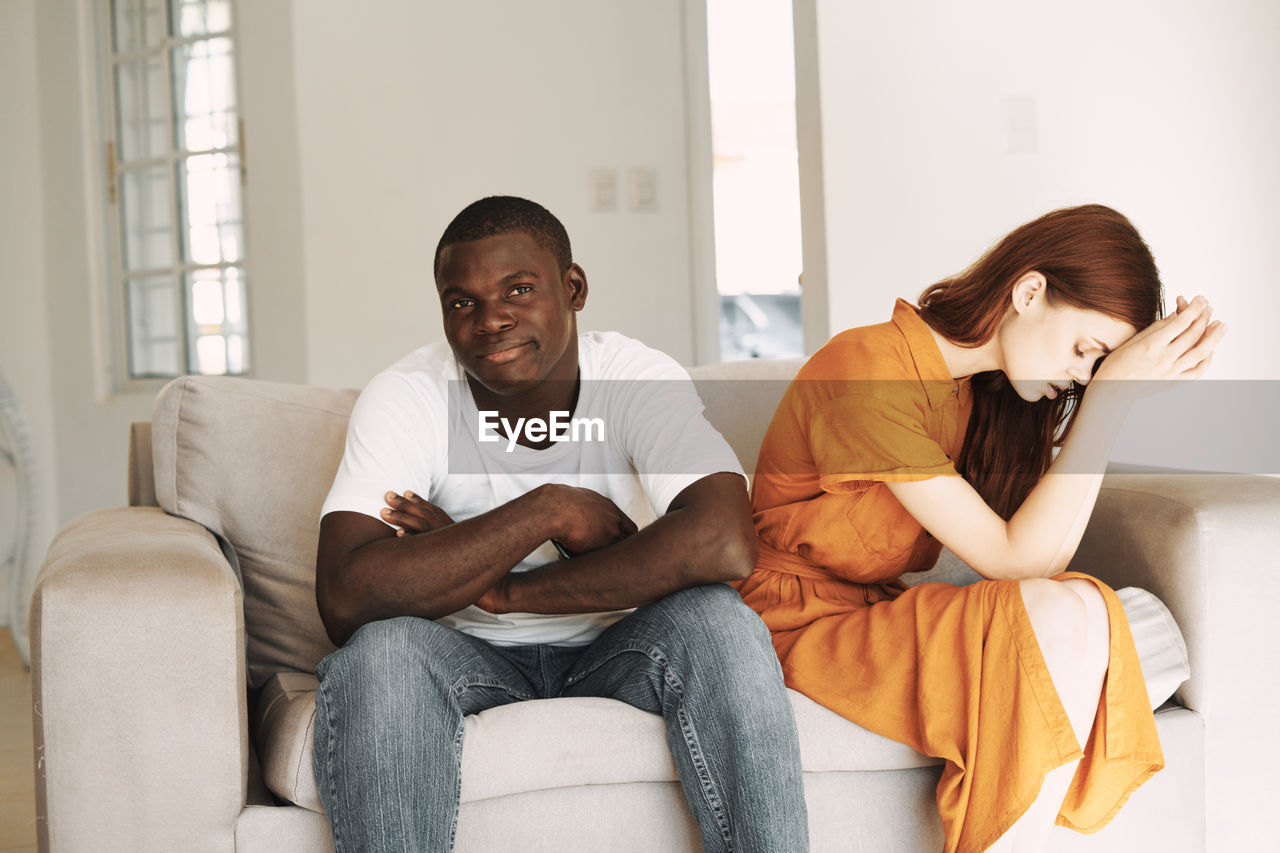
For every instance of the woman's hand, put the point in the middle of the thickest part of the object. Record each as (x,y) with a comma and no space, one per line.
(413,514)
(1177,347)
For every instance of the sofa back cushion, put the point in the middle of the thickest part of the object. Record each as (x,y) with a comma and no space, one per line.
(741,397)
(252,461)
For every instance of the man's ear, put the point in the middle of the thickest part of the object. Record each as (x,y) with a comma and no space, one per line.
(575,280)
(1028,291)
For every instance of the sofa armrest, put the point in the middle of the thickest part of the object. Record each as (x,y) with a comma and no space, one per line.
(1208,545)
(138,683)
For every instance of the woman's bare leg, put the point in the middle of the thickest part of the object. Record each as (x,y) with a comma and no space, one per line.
(1070,622)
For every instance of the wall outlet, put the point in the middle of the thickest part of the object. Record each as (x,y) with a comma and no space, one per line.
(602,190)
(642,189)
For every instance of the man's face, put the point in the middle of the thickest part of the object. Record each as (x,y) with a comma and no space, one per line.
(509,313)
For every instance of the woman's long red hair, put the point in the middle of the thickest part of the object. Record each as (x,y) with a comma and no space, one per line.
(1091,257)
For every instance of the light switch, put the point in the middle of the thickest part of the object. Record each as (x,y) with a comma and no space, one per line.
(1021,134)
(642,189)
(602,190)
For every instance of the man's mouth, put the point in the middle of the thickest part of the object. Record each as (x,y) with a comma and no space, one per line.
(503,353)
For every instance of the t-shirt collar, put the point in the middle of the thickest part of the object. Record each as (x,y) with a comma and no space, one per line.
(932,369)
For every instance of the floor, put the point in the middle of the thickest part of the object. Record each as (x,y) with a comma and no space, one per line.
(17,776)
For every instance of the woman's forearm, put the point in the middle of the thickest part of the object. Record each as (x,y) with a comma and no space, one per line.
(1048,526)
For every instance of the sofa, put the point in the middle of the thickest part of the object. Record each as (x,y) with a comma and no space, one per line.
(174,640)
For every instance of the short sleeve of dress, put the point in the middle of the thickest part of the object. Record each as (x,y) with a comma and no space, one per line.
(856,438)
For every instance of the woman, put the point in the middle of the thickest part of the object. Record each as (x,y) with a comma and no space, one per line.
(857,484)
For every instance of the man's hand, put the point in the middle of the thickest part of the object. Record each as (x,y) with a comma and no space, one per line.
(413,514)
(494,598)
(586,520)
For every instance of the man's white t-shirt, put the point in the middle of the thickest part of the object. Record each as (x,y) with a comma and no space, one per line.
(641,440)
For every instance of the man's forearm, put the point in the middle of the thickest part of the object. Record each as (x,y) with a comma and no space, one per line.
(441,571)
(690,545)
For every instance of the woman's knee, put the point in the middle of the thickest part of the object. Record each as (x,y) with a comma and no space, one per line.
(1069,619)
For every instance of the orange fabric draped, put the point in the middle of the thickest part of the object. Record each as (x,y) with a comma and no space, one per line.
(954,672)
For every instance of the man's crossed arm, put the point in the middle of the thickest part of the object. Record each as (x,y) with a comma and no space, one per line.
(365,572)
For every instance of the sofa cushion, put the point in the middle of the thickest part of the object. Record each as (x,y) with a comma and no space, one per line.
(551,743)
(556,743)
(252,461)
(740,399)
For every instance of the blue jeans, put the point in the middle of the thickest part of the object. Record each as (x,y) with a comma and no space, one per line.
(390,708)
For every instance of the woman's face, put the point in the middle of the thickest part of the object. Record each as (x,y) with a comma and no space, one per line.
(1046,347)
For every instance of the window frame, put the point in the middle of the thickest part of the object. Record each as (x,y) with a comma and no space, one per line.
(114,285)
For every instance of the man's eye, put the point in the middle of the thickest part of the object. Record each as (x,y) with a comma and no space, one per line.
(460,303)
(522,288)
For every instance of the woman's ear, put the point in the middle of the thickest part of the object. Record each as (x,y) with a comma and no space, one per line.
(1029,292)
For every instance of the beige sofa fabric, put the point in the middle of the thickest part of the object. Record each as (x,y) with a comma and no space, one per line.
(1207,545)
(526,746)
(138,679)
(252,461)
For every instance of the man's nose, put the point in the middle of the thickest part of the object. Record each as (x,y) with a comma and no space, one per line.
(493,317)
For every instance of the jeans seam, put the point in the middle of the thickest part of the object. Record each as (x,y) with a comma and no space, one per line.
(329,762)
(692,743)
(457,788)
(463,684)
(704,774)
(649,652)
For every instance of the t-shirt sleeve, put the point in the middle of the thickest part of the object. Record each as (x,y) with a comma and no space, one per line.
(666,434)
(857,438)
(388,447)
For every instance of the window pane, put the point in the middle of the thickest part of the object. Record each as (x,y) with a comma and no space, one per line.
(204,95)
(237,354)
(137,24)
(235,298)
(216,323)
(197,17)
(153,307)
(210,208)
(211,355)
(146,217)
(755,177)
(140,109)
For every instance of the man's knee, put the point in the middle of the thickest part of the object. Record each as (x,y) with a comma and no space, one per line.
(716,622)
(386,658)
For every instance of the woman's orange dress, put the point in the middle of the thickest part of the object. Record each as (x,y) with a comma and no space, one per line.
(952,671)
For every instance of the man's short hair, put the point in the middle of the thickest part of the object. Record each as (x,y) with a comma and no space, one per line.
(502,214)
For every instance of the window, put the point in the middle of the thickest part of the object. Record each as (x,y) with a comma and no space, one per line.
(755,177)
(175,169)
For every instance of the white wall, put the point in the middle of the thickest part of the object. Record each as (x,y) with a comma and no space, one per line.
(24,351)
(90,432)
(401,125)
(365,134)
(1167,111)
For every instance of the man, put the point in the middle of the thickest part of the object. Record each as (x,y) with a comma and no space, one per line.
(523,544)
